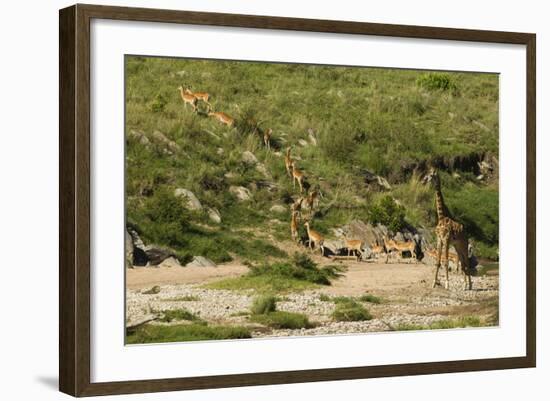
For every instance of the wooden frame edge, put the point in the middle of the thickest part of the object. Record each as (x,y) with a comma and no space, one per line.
(74,199)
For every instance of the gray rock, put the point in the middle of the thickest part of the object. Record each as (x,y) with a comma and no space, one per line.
(200,261)
(334,245)
(278,209)
(170,262)
(192,201)
(140,137)
(170,147)
(303,142)
(157,255)
(214,215)
(241,193)
(129,246)
(261,168)
(249,158)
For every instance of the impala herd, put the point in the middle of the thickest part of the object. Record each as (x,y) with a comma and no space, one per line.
(447,231)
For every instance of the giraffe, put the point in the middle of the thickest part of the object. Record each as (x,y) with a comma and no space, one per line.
(448,231)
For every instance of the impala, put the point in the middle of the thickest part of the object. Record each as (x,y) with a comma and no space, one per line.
(222,117)
(199,95)
(267,138)
(297,175)
(294,226)
(314,237)
(355,245)
(288,162)
(188,98)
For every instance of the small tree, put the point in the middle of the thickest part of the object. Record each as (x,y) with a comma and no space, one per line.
(388,213)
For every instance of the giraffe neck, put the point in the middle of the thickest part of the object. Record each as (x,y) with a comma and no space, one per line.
(440,206)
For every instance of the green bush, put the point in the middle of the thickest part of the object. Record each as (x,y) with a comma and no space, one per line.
(436,81)
(350,311)
(370,298)
(263,304)
(158,104)
(178,314)
(388,213)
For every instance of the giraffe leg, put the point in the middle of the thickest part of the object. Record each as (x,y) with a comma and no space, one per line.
(437,262)
(462,252)
(446,249)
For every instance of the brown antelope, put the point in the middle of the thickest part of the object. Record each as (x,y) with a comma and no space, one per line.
(354,245)
(311,198)
(378,250)
(314,237)
(288,162)
(267,138)
(294,226)
(199,95)
(222,117)
(453,257)
(409,246)
(297,205)
(188,98)
(297,175)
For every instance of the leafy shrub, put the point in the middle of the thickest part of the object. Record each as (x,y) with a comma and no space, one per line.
(388,213)
(158,104)
(283,320)
(263,304)
(350,311)
(436,81)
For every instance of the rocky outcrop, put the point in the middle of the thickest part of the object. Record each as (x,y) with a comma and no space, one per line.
(156,255)
(168,146)
(249,158)
(214,215)
(191,201)
(242,193)
(278,209)
(170,263)
(200,261)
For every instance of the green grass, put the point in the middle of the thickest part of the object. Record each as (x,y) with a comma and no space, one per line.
(348,310)
(282,320)
(178,314)
(183,298)
(263,304)
(370,298)
(386,121)
(299,274)
(461,322)
(190,332)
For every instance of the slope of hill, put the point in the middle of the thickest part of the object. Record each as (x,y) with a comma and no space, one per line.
(346,125)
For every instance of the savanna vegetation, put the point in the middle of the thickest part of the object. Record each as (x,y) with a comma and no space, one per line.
(343,123)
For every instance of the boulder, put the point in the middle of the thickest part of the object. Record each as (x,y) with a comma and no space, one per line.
(200,261)
(139,257)
(278,209)
(214,215)
(129,247)
(170,262)
(153,290)
(262,169)
(140,137)
(156,255)
(169,146)
(241,193)
(249,158)
(335,246)
(191,201)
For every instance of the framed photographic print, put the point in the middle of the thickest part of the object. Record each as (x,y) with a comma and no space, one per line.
(250,200)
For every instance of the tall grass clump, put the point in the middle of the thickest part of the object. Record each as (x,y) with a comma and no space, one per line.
(437,81)
(263,304)
(348,310)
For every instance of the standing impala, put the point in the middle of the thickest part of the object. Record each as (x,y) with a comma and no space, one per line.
(188,98)
(297,175)
(267,138)
(354,245)
(222,117)
(314,238)
(199,95)
(294,226)
(288,162)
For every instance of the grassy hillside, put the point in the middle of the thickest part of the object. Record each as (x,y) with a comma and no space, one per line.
(381,120)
